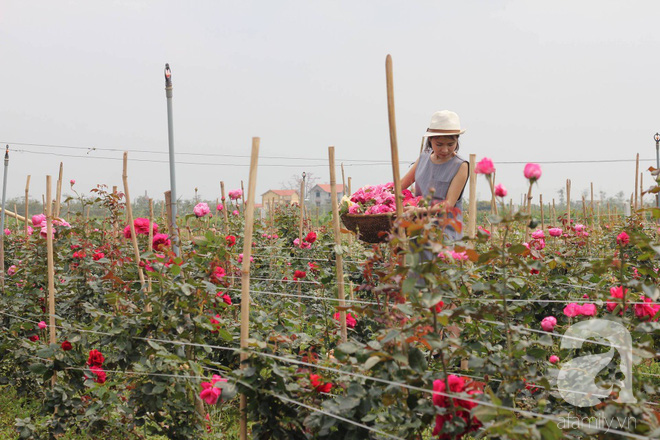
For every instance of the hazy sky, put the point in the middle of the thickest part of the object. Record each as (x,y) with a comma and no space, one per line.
(531,81)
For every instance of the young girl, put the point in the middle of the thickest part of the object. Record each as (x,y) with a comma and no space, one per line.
(439,170)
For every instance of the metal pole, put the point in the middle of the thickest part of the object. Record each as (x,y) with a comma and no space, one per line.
(170,137)
(2,220)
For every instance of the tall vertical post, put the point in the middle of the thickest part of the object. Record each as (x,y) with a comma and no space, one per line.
(245,274)
(27,203)
(568,201)
(174,232)
(58,195)
(339,259)
(393,142)
(657,163)
(635,206)
(472,210)
(2,221)
(51,267)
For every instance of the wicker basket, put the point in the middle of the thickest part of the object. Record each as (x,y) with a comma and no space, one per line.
(372,228)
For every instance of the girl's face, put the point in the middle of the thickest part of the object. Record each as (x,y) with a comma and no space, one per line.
(444,147)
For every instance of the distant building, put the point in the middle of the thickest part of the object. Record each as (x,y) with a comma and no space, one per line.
(319,195)
(274,197)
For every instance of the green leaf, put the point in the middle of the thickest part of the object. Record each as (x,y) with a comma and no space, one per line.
(517,249)
(373,360)
(38,368)
(347,347)
(417,360)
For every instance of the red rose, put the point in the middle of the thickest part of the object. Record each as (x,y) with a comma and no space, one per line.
(231,240)
(95,359)
(299,274)
(313,266)
(34,338)
(66,346)
(311,237)
(98,255)
(319,386)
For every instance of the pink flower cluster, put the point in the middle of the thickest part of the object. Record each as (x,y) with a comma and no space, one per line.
(379,199)
(141,225)
(548,323)
(210,394)
(574,309)
(235,194)
(351,322)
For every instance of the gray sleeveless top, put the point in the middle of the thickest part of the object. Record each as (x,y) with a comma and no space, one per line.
(439,176)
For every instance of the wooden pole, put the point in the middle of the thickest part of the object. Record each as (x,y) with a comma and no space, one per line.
(129,215)
(554,213)
(243,195)
(592,201)
(636,181)
(168,210)
(16,216)
(584,210)
(598,213)
(51,268)
(27,203)
(224,211)
(338,257)
(472,208)
(393,144)
(59,191)
(568,200)
(245,275)
(542,214)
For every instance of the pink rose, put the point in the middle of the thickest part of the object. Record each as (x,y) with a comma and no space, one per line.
(235,194)
(235,212)
(579,227)
(548,323)
(532,172)
(555,232)
(72,182)
(572,310)
(201,209)
(42,325)
(553,359)
(500,190)
(588,310)
(38,219)
(7,231)
(12,270)
(484,166)
(538,234)
(220,207)
(623,238)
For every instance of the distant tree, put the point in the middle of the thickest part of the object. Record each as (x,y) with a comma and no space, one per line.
(294,182)
(562,197)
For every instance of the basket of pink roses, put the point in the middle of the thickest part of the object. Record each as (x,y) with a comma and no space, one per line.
(370,211)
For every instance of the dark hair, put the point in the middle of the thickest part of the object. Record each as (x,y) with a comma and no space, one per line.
(427,145)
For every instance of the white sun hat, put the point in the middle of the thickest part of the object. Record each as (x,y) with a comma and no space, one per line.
(444,123)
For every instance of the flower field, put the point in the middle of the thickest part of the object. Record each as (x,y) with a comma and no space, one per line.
(465,344)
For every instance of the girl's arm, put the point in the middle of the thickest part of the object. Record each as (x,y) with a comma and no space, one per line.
(409,178)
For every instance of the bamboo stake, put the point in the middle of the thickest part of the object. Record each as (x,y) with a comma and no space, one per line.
(393,146)
(592,200)
(18,225)
(349,194)
(598,213)
(150,247)
(16,216)
(300,238)
(554,212)
(568,200)
(43,201)
(636,180)
(51,269)
(168,210)
(222,192)
(542,215)
(243,196)
(59,191)
(338,257)
(472,208)
(584,210)
(245,275)
(129,215)
(27,203)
